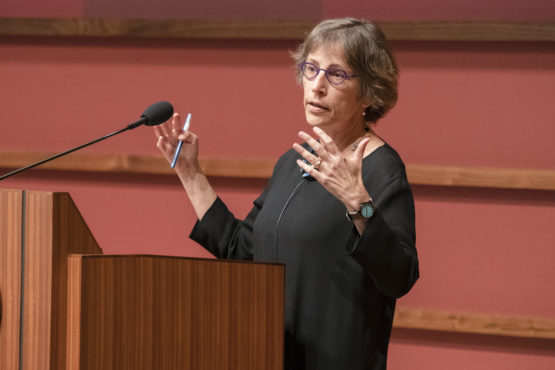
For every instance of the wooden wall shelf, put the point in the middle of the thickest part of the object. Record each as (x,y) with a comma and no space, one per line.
(501,178)
(473,323)
(202,29)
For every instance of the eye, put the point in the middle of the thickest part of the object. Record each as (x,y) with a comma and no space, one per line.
(310,68)
(336,74)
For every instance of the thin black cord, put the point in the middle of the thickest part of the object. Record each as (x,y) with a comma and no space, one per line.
(281,214)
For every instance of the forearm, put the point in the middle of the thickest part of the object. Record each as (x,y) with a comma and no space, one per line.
(389,257)
(198,189)
(386,248)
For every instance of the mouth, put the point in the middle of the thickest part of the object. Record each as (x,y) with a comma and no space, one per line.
(316,105)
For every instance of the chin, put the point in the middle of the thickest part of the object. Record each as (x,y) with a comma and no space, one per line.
(314,120)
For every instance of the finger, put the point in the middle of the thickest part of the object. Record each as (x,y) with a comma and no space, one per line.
(160,142)
(157,131)
(162,129)
(309,169)
(165,129)
(164,147)
(177,122)
(314,144)
(305,153)
(325,139)
(171,127)
(359,151)
(188,137)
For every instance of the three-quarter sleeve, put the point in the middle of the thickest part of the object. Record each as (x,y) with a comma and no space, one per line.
(224,235)
(386,249)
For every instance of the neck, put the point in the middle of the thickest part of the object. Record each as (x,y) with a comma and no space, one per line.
(346,138)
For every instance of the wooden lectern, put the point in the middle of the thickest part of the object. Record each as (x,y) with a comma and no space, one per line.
(67,306)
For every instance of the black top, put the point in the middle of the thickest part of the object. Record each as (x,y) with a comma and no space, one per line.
(340,287)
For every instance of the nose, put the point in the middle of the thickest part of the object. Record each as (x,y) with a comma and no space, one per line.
(320,82)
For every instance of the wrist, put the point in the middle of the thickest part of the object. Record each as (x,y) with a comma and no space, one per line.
(355,199)
(365,211)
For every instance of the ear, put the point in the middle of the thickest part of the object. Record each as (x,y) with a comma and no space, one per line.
(365,106)
(366,102)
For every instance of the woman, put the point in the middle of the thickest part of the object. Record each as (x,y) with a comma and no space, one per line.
(344,227)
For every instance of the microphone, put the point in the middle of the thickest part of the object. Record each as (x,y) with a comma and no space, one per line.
(154,115)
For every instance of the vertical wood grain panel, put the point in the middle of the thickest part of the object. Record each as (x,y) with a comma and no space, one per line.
(52,228)
(145,312)
(37,282)
(73,313)
(70,234)
(10,276)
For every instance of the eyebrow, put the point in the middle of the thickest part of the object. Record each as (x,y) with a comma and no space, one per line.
(333,65)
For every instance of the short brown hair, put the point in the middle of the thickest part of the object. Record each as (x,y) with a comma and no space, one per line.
(367,52)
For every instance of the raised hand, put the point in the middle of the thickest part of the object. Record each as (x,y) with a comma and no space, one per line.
(169,134)
(339,171)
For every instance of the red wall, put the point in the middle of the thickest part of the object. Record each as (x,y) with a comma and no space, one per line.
(461,103)
(399,10)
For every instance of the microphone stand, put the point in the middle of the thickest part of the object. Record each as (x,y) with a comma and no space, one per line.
(129,127)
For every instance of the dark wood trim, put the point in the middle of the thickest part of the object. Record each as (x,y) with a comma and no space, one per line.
(202,29)
(501,178)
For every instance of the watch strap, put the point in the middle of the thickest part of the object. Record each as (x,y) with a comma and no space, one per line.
(350,214)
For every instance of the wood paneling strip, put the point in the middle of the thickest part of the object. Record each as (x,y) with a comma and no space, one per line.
(37,308)
(11,216)
(524,327)
(184,28)
(502,178)
(54,228)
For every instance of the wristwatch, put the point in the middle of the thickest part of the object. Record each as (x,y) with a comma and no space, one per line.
(366,211)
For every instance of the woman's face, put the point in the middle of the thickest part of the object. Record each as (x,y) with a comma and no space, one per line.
(333,108)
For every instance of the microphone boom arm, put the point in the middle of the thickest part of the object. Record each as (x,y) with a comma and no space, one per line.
(129,127)
(154,115)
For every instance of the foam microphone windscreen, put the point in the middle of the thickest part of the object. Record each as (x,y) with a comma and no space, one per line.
(158,113)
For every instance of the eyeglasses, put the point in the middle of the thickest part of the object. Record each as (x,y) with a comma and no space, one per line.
(335,76)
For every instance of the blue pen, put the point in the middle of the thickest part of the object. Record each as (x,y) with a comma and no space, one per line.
(180,144)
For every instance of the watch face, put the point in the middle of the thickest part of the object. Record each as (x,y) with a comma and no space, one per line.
(366,210)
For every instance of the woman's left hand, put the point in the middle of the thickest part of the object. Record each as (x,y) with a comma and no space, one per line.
(340,172)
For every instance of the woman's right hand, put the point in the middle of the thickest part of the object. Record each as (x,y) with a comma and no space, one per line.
(169,134)
(198,189)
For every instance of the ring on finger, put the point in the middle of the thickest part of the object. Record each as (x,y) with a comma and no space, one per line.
(316,165)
